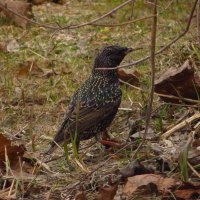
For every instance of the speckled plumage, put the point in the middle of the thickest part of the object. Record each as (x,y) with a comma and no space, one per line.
(94,105)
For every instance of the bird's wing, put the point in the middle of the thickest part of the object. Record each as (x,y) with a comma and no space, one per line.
(85,117)
(82,116)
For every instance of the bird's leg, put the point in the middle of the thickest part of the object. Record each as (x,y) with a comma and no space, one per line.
(106,141)
(102,136)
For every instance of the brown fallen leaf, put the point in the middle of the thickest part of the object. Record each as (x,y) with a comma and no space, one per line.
(12,151)
(194,156)
(15,167)
(39,2)
(133,183)
(29,68)
(20,7)
(126,76)
(36,2)
(188,191)
(3,46)
(8,193)
(108,192)
(12,45)
(9,46)
(181,82)
(80,195)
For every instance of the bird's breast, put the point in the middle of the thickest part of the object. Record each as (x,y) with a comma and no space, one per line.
(104,91)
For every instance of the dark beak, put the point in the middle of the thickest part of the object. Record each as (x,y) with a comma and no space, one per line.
(131,50)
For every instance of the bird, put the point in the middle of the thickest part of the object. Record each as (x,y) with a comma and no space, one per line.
(94,105)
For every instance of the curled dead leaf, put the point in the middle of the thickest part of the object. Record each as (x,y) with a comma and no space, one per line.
(80,195)
(188,191)
(181,82)
(13,152)
(3,46)
(11,158)
(29,68)
(108,192)
(126,76)
(20,7)
(12,46)
(163,184)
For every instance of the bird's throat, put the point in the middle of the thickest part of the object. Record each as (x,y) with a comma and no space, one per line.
(106,73)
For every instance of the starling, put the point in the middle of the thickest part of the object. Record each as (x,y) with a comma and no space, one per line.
(94,105)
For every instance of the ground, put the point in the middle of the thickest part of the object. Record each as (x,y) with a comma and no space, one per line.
(35,102)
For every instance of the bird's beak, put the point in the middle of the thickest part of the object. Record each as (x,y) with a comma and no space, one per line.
(129,50)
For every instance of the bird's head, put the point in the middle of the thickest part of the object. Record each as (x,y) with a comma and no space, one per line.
(111,56)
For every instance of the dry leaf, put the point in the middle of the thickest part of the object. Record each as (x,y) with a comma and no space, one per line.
(187,194)
(188,191)
(180,82)
(8,193)
(13,151)
(3,46)
(108,192)
(37,2)
(131,78)
(21,7)
(12,46)
(80,196)
(29,68)
(133,183)
(14,167)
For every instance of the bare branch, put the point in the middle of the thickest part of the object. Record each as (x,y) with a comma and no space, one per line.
(99,18)
(6,8)
(124,23)
(58,27)
(163,48)
(164,95)
(151,92)
(198,23)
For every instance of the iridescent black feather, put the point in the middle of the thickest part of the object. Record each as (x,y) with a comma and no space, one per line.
(94,105)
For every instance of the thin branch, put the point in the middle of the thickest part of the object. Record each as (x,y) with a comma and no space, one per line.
(123,23)
(198,23)
(99,166)
(6,8)
(163,95)
(99,18)
(194,171)
(58,27)
(163,48)
(151,93)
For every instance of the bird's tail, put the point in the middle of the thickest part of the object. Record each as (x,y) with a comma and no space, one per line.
(59,138)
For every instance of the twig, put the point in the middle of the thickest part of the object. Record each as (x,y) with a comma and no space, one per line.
(181,125)
(198,23)
(92,22)
(98,167)
(6,8)
(193,170)
(99,18)
(151,93)
(123,23)
(162,95)
(163,48)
